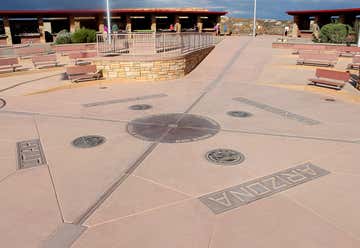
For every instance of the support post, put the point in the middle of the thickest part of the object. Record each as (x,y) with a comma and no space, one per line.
(108,20)
(74,24)
(101,23)
(254,23)
(358,44)
(177,24)
(7,30)
(128,24)
(199,24)
(41,30)
(153,23)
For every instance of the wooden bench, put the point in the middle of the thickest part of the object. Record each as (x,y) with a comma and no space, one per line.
(45,61)
(348,51)
(320,59)
(9,63)
(355,65)
(80,57)
(334,79)
(30,51)
(80,73)
(74,48)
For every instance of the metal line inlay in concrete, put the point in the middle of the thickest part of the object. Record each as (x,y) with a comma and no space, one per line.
(234,197)
(173,128)
(30,154)
(88,141)
(103,103)
(225,157)
(64,236)
(2,103)
(277,111)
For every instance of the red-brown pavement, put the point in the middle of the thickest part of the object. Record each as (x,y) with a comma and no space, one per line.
(142,193)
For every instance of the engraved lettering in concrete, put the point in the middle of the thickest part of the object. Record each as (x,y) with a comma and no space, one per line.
(277,111)
(102,103)
(248,192)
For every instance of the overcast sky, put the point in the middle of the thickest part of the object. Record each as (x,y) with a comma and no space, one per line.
(239,8)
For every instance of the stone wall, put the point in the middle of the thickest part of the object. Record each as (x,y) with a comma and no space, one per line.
(316,46)
(150,68)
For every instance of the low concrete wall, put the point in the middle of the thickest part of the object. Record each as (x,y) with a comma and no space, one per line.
(315,46)
(76,47)
(150,68)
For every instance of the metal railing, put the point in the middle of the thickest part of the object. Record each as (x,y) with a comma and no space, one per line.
(162,44)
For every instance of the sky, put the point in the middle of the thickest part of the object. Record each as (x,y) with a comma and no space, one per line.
(238,8)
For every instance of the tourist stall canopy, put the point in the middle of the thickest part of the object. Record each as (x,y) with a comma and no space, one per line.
(21,26)
(303,19)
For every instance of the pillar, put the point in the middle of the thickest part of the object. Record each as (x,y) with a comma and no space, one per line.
(342,19)
(153,23)
(177,24)
(74,24)
(41,30)
(295,29)
(7,30)
(199,24)
(128,24)
(347,19)
(316,27)
(101,23)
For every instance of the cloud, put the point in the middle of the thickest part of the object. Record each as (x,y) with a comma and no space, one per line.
(242,8)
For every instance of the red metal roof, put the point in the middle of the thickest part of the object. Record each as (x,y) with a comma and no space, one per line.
(117,11)
(355,11)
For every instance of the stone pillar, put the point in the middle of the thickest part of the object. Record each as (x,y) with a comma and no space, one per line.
(199,24)
(101,23)
(41,30)
(153,23)
(7,30)
(177,24)
(72,24)
(342,19)
(295,29)
(128,24)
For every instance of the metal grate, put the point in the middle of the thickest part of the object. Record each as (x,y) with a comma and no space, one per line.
(30,154)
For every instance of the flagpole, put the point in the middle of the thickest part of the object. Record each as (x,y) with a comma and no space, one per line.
(254,24)
(108,20)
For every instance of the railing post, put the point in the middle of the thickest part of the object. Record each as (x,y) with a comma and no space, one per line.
(163,43)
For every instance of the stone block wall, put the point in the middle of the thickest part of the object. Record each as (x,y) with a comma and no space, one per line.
(316,46)
(150,69)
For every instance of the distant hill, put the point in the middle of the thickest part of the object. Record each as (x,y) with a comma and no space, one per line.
(265,26)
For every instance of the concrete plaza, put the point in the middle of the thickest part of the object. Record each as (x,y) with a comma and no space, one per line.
(149,184)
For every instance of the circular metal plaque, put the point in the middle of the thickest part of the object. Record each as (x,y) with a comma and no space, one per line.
(239,114)
(173,128)
(2,103)
(140,107)
(88,141)
(225,157)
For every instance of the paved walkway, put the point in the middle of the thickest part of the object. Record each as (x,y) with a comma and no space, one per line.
(149,184)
